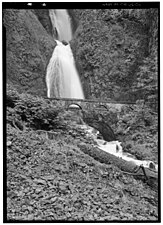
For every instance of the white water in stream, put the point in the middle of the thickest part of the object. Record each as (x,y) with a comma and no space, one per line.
(62,78)
(115,148)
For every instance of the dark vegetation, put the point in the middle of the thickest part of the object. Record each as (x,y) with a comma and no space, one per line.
(137,128)
(30,111)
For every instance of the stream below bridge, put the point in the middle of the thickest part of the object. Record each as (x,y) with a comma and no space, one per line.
(115,148)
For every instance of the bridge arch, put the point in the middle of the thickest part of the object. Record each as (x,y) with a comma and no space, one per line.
(75,104)
(104,106)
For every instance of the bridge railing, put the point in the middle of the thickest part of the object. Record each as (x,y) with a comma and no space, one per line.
(99,101)
(91,100)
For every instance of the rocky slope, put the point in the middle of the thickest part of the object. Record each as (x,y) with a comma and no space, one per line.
(51,177)
(52,180)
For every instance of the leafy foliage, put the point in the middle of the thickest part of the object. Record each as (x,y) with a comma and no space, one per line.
(34,111)
(137,128)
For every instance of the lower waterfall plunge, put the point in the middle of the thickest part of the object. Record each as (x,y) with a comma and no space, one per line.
(62,78)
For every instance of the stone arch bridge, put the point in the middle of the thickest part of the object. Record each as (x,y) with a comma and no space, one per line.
(89,104)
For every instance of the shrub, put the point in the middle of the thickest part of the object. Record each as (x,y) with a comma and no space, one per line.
(37,112)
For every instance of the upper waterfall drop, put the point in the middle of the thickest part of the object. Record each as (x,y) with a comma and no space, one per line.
(62,78)
(61,22)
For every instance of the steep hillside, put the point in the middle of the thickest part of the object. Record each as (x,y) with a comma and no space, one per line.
(114,50)
(28,50)
(51,177)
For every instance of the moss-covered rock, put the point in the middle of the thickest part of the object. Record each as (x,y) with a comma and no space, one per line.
(28,50)
(43,17)
(111,46)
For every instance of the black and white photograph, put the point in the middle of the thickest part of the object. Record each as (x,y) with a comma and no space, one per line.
(81,88)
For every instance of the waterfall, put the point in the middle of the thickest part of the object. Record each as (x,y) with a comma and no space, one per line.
(62,78)
(61,23)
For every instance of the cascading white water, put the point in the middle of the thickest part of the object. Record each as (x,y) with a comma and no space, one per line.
(61,22)
(115,148)
(62,78)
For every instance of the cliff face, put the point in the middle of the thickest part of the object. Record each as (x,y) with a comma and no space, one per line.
(111,46)
(29,47)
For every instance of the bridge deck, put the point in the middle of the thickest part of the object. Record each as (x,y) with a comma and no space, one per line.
(92,100)
(96,101)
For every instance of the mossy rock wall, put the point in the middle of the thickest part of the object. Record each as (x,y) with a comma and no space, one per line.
(110,46)
(28,50)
